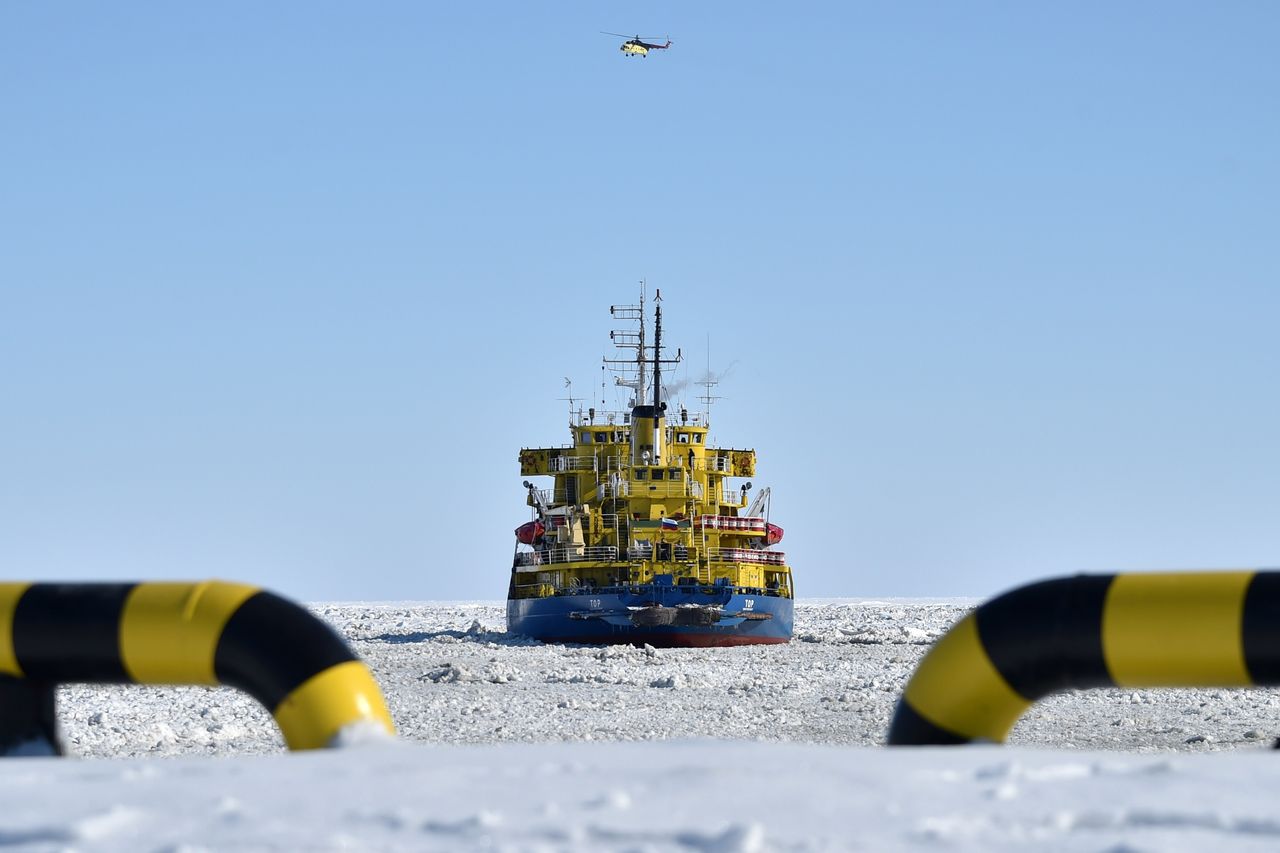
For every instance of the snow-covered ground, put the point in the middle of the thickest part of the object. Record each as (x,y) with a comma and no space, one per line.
(511,745)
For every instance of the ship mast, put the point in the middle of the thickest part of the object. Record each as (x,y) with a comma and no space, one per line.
(640,350)
(647,421)
(623,339)
(708,382)
(657,354)
(658,360)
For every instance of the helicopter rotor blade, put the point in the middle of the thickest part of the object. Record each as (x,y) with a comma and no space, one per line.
(619,35)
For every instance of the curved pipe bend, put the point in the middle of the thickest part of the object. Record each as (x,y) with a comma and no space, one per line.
(211,632)
(1185,629)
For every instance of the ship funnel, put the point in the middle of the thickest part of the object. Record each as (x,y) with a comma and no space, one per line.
(648,434)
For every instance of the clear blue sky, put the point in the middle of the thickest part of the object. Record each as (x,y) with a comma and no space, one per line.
(285,287)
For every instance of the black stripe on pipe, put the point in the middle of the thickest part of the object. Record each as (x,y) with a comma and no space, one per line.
(28,716)
(1047,636)
(1260,629)
(71,632)
(270,646)
(908,728)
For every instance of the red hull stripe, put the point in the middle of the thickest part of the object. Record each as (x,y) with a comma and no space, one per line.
(667,641)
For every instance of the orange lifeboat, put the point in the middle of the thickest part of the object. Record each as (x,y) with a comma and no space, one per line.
(530,532)
(772,534)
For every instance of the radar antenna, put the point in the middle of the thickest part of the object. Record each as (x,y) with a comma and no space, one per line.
(708,382)
(568,383)
(626,339)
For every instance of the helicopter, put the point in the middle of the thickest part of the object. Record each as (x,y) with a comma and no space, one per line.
(637,46)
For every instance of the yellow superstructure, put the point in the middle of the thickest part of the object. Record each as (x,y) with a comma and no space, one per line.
(677,513)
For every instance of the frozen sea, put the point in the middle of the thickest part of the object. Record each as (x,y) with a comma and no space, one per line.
(510,745)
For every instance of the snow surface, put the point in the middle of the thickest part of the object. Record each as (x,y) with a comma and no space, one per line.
(507,744)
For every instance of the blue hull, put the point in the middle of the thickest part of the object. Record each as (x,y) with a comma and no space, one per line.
(661,616)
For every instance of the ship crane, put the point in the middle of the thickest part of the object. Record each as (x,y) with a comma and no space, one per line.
(758,505)
(536,499)
(760,509)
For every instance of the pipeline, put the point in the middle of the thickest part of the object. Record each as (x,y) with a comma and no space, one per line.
(1193,629)
(206,633)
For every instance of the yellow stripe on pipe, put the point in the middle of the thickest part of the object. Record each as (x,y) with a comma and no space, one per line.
(169,632)
(9,595)
(1176,630)
(321,706)
(957,687)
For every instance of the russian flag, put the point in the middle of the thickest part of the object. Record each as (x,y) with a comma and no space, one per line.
(669,524)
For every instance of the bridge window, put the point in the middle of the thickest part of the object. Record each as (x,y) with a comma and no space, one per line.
(602,437)
(697,438)
(682,438)
(657,473)
(673,474)
(584,438)
(640,474)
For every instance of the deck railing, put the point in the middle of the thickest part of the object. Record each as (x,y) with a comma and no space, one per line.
(573,463)
(746,555)
(716,463)
(553,497)
(568,554)
(733,497)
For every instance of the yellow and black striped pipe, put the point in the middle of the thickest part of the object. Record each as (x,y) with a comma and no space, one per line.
(1190,629)
(211,633)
